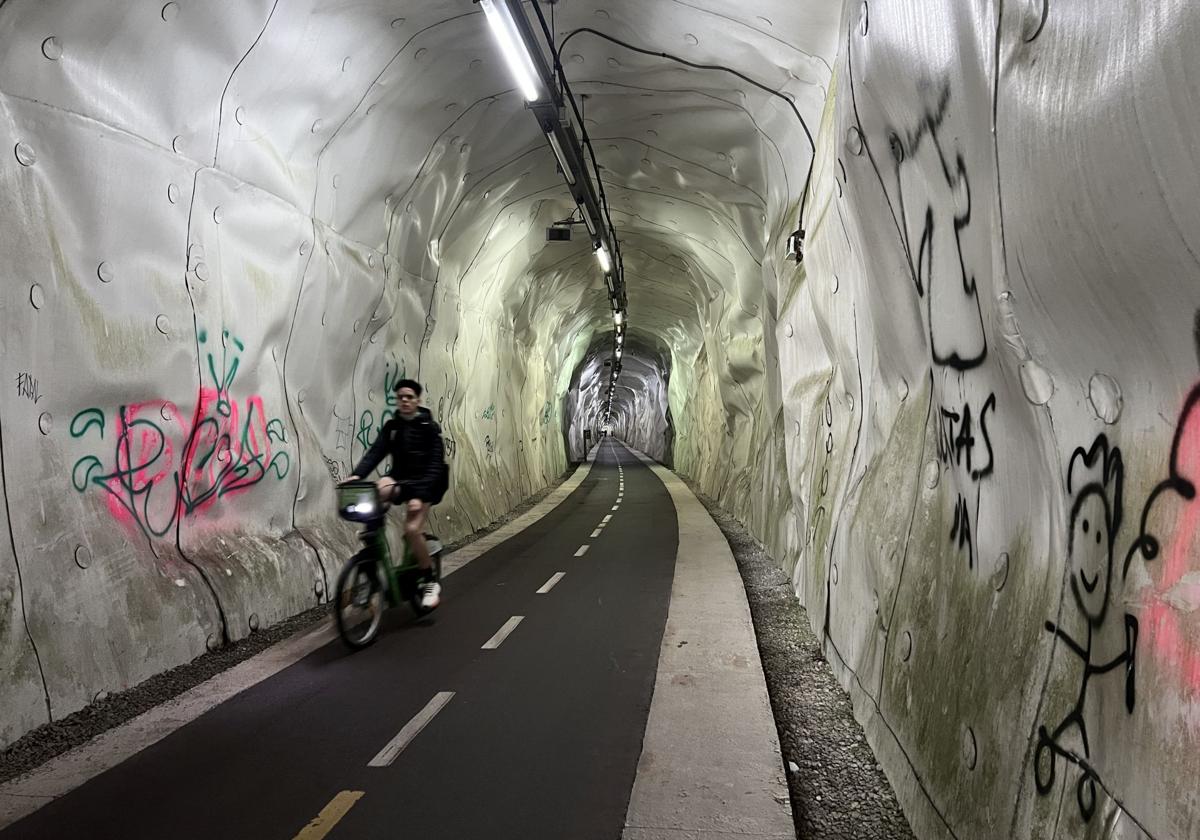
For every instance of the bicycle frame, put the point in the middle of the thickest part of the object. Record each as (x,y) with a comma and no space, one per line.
(375,541)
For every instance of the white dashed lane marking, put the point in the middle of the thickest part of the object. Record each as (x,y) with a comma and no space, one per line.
(411,730)
(550,584)
(503,633)
(582,550)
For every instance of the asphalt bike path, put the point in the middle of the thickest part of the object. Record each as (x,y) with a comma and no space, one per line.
(427,732)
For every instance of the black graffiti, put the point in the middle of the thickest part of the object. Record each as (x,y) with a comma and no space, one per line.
(335,469)
(961,530)
(957,338)
(964,443)
(1095,478)
(957,439)
(1029,39)
(1147,544)
(28,388)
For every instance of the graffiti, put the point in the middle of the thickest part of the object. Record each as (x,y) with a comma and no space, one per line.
(1029,39)
(229,369)
(489,413)
(164,467)
(1095,478)
(939,269)
(930,195)
(547,411)
(27,388)
(489,445)
(390,379)
(343,430)
(84,420)
(1175,591)
(335,469)
(368,429)
(964,447)
(451,447)
(957,439)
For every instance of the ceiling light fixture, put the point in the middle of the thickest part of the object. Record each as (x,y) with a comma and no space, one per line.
(528,44)
(617,317)
(587,220)
(516,55)
(567,172)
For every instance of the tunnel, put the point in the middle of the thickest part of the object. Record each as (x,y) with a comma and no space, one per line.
(905,292)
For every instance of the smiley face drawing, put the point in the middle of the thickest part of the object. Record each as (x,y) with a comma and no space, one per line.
(1090,548)
(1095,478)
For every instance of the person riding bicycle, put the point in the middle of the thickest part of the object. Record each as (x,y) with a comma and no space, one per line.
(417,476)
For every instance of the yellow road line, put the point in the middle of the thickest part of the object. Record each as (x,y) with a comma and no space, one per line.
(330,815)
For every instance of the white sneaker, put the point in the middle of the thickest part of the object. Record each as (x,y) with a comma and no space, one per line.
(431,594)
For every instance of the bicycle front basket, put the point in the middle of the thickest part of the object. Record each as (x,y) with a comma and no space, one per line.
(358,501)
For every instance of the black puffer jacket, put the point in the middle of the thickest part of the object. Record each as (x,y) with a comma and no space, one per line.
(417,453)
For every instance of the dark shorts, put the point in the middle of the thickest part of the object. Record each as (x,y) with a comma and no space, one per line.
(403,495)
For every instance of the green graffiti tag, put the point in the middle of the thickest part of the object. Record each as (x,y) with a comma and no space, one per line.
(389,383)
(368,430)
(228,369)
(165,467)
(85,419)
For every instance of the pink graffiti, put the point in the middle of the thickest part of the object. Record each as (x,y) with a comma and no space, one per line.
(166,468)
(144,457)
(1172,597)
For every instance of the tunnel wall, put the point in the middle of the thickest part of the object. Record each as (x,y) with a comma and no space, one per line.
(990,363)
(205,307)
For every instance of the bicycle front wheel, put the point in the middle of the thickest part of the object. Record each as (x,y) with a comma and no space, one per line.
(358,603)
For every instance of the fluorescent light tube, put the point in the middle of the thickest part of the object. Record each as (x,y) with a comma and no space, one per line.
(587,220)
(605,262)
(562,160)
(516,53)
(617,318)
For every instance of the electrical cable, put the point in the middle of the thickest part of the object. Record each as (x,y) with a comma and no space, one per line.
(719,67)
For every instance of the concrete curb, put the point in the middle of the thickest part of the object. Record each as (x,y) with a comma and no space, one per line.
(711,765)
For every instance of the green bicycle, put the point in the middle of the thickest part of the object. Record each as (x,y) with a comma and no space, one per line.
(369,583)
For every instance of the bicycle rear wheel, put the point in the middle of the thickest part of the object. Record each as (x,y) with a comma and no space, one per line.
(358,602)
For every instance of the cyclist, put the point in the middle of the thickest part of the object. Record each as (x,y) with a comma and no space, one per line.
(417,476)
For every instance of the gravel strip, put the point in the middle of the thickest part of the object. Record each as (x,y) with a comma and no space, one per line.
(52,739)
(838,791)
